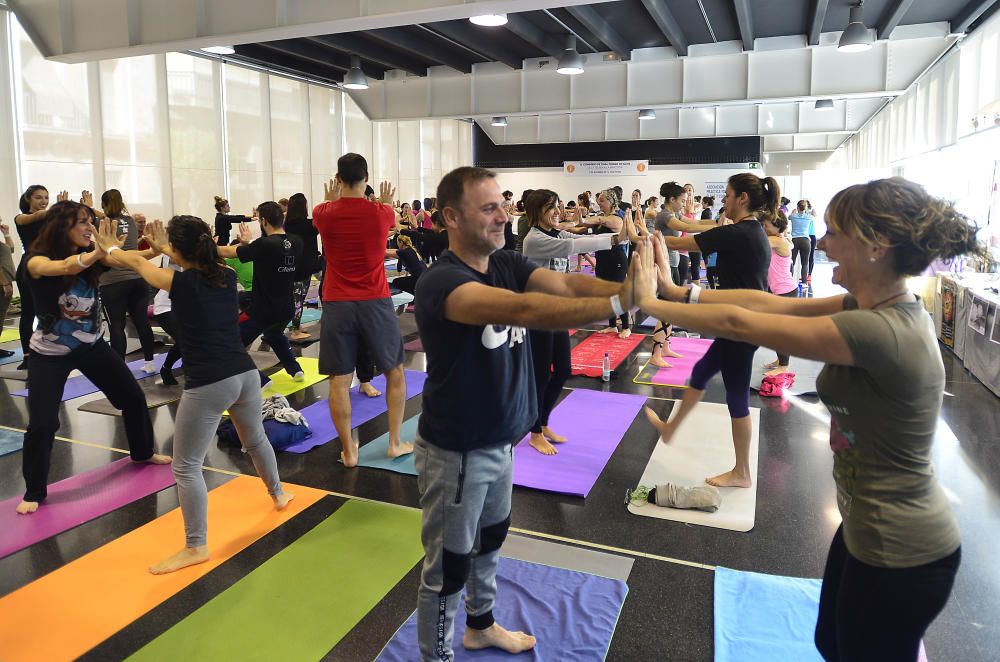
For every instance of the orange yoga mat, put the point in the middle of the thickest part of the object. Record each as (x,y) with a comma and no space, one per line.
(84,602)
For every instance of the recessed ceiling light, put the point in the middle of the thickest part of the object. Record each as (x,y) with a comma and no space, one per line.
(499,121)
(220,50)
(490,20)
(647,114)
(823,104)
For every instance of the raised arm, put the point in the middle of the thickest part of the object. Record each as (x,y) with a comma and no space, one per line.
(227,252)
(158,277)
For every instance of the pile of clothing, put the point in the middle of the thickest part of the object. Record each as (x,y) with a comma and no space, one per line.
(283,425)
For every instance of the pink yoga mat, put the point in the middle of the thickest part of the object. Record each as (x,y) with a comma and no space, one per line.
(415,345)
(79,499)
(678,375)
(595,423)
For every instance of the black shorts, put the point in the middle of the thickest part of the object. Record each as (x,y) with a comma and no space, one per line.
(354,331)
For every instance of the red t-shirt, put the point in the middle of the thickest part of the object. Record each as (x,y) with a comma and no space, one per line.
(354,233)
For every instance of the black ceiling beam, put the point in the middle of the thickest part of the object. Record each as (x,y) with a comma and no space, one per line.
(891,17)
(355,45)
(407,41)
(746,23)
(270,58)
(668,25)
(816,20)
(533,34)
(600,27)
(461,32)
(306,51)
(969,14)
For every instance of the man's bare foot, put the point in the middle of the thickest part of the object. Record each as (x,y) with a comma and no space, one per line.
(350,459)
(610,329)
(730,479)
(541,444)
(780,370)
(497,637)
(186,557)
(624,333)
(367,389)
(298,335)
(399,450)
(156,458)
(771,366)
(659,362)
(282,500)
(665,428)
(552,436)
(27,507)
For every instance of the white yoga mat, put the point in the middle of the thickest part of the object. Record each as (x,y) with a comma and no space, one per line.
(703,447)
(806,372)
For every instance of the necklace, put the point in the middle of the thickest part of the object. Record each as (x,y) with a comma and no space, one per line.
(894,296)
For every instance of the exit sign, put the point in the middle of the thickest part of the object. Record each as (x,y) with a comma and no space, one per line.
(754,165)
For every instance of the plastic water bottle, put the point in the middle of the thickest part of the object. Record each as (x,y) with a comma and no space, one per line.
(800,289)
(606,368)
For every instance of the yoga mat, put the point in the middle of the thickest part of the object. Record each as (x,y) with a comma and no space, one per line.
(11,441)
(314,334)
(283,384)
(322,585)
(10,371)
(677,376)
(594,422)
(401,299)
(649,322)
(415,345)
(157,395)
(10,334)
(310,315)
(90,599)
(79,499)
(761,618)
(573,615)
(588,356)
(363,409)
(17,358)
(79,386)
(263,360)
(806,372)
(567,557)
(373,454)
(701,448)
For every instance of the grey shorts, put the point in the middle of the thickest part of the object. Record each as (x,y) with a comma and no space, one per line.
(356,332)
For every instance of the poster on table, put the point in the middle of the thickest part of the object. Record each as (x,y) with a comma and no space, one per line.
(605,168)
(995,334)
(948,308)
(978,311)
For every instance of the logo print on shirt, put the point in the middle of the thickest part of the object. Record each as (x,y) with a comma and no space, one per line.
(495,335)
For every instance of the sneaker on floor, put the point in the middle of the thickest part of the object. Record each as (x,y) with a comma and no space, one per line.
(299,376)
(149,366)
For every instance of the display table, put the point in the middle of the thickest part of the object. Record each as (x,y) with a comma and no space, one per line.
(956,296)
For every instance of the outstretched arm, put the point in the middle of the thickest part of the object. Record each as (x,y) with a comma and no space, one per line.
(108,243)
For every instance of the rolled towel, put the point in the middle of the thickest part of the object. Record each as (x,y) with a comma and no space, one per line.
(668,495)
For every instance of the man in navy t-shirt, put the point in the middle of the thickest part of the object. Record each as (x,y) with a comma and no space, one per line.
(473,308)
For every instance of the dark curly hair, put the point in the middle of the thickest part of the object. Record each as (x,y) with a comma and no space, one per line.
(192,238)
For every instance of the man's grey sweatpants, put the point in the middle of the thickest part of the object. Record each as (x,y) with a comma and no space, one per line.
(465,499)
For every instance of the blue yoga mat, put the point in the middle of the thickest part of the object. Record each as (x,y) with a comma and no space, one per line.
(573,615)
(11,441)
(17,358)
(372,454)
(310,315)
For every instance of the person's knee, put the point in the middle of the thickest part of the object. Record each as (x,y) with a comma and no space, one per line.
(454,571)
(395,376)
(738,403)
(491,537)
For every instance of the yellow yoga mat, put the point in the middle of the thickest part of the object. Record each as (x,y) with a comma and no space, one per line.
(10,334)
(282,383)
(84,602)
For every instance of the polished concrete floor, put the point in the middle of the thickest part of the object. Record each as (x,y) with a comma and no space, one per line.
(668,612)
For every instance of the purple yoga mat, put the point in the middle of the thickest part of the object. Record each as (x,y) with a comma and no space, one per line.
(679,373)
(594,422)
(80,386)
(363,409)
(79,499)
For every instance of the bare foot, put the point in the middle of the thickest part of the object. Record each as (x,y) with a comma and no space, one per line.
(282,500)
(298,335)
(665,429)
(610,329)
(730,479)
(350,459)
(771,366)
(541,444)
(780,370)
(659,362)
(497,637)
(156,458)
(624,333)
(552,436)
(27,507)
(399,450)
(186,557)
(672,354)
(369,390)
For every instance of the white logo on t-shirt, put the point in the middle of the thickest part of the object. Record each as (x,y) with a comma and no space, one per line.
(495,335)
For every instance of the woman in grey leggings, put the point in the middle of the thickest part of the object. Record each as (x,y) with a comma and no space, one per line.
(219,374)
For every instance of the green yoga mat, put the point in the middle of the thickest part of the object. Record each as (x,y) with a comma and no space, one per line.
(301,602)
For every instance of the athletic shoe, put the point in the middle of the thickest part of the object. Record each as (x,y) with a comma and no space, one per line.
(149,366)
(299,376)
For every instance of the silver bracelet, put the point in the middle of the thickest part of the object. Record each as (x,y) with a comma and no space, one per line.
(616,305)
(112,249)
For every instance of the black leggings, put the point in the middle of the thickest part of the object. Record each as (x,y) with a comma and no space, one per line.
(684,269)
(406,284)
(812,252)
(783,358)
(869,613)
(128,296)
(802,249)
(735,361)
(613,265)
(550,356)
(695,259)
(168,322)
(26,325)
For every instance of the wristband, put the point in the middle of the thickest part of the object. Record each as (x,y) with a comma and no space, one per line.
(693,294)
(79,260)
(616,305)
(112,249)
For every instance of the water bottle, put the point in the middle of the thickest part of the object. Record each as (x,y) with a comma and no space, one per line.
(800,289)
(606,368)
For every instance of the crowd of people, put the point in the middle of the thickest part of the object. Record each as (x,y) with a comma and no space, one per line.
(497,285)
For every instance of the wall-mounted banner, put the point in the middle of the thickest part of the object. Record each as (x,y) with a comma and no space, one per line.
(605,168)
(716,190)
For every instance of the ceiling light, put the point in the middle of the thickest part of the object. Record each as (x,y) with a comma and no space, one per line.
(498,121)
(856,37)
(823,104)
(220,50)
(570,62)
(355,79)
(647,114)
(490,20)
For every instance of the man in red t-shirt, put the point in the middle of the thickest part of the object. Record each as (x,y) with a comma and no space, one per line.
(359,324)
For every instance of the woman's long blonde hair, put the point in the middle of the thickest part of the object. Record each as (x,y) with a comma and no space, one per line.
(405,242)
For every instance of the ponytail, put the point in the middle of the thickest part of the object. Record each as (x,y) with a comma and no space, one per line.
(772,195)
(763,194)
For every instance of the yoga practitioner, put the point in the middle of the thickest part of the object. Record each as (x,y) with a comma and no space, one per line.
(224,221)
(801,220)
(779,274)
(893,560)
(412,261)
(546,245)
(744,256)
(7,277)
(62,278)
(275,258)
(812,240)
(163,313)
(122,291)
(473,308)
(219,374)
(298,223)
(359,321)
(612,264)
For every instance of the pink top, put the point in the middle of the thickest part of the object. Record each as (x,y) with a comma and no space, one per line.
(779,274)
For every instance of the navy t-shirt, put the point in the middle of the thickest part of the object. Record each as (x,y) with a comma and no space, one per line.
(744,254)
(480,388)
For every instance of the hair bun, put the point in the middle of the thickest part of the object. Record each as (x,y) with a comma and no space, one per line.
(219,198)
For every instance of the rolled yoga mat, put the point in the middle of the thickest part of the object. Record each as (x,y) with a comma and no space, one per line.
(703,447)
(806,372)
(363,409)
(321,585)
(587,358)
(572,614)
(116,581)
(677,376)
(761,618)
(79,386)
(79,499)
(11,441)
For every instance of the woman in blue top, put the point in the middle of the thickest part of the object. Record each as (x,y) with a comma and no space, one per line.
(800,220)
